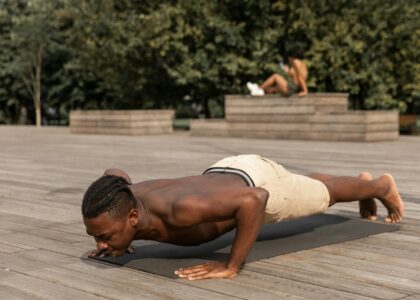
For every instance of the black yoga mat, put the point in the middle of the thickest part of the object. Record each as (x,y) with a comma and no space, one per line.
(274,239)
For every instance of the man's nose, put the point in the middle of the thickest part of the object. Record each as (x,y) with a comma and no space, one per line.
(102,246)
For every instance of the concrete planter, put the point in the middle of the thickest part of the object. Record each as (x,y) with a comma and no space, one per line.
(121,122)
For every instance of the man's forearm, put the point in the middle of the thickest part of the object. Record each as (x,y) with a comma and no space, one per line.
(248,222)
(303,85)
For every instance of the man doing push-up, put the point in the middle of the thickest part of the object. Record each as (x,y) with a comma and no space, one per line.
(241,192)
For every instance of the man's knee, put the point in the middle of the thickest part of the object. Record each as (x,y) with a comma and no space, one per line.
(277,76)
(330,187)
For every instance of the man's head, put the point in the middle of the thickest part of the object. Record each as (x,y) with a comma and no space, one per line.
(295,53)
(110,213)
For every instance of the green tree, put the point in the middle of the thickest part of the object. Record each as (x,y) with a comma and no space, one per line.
(156,54)
(34,35)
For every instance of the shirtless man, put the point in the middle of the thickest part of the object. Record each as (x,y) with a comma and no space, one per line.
(241,192)
(291,81)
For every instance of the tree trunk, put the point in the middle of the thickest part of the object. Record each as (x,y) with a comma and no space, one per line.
(37,87)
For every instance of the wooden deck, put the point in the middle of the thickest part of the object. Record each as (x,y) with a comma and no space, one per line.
(44,173)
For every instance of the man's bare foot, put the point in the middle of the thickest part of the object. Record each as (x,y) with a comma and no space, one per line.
(391,199)
(367,207)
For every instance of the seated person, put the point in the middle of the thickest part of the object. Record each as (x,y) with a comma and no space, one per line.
(292,79)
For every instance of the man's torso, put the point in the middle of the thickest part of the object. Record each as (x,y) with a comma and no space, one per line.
(161,195)
(302,70)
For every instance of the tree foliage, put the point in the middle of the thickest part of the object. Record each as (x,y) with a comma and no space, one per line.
(160,54)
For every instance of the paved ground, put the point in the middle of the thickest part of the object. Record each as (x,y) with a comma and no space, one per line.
(44,173)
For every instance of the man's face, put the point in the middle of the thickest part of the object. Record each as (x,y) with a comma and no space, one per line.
(111,234)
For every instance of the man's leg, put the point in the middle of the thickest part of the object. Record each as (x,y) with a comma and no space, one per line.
(367,207)
(277,81)
(348,189)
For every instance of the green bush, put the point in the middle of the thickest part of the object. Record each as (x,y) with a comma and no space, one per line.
(154,54)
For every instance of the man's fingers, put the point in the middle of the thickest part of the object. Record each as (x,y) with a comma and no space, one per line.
(93,253)
(130,249)
(104,253)
(197,274)
(96,252)
(211,275)
(193,272)
(206,271)
(188,271)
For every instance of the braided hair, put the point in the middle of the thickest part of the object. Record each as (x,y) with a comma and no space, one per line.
(109,194)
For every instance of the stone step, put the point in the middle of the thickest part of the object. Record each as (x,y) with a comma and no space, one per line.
(302,135)
(119,124)
(122,122)
(351,126)
(275,104)
(122,131)
(273,110)
(369,117)
(293,127)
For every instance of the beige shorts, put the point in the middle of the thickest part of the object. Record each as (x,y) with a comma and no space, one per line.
(291,195)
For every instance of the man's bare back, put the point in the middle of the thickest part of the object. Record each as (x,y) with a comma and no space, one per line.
(160,196)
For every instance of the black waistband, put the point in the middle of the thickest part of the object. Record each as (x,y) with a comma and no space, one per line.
(239,172)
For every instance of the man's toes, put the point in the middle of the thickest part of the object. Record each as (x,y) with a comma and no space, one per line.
(388,219)
(397,218)
(392,218)
(372,218)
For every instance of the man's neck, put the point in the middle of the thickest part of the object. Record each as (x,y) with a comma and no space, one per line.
(147,231)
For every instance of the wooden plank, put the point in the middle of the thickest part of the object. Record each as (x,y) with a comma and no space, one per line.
(120,118)
(122,124)
(327,109)
(180,289)
(288,127)
(267,118)
(292,110)
(387,267)
(347,287)
(271,102)
(131,112)
(396,283)
(411,297)
(382,116)
(9,293)
(407,264)
(278,96)
(382,136)
(118,131)
(38,288)
(292,284)
(337,132)
(335,118)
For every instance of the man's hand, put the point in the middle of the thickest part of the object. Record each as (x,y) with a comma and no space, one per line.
(206,271)
(113,253)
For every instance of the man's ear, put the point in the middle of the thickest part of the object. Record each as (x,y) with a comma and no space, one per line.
(133,217)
